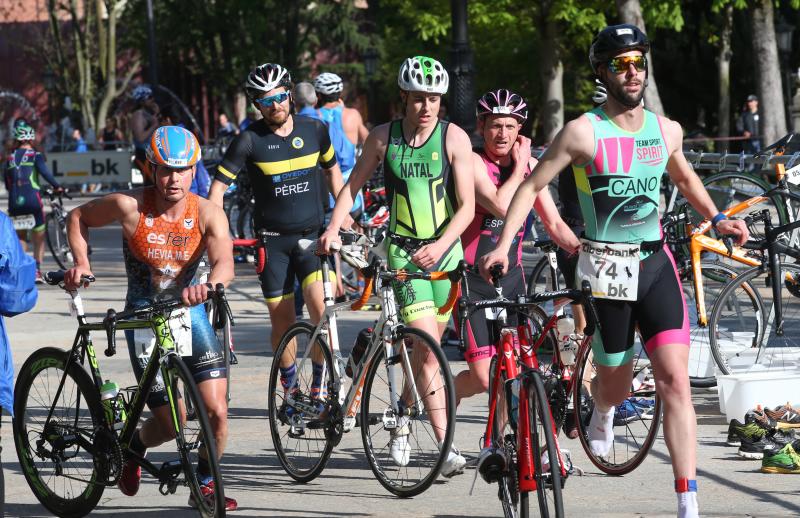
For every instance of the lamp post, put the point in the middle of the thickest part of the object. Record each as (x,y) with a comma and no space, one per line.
(462,70)
(370,58)
(151,44)
(783,33)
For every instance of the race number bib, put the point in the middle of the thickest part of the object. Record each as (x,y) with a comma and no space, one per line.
(180,323)
(793,175)
(611,268)
(26,222)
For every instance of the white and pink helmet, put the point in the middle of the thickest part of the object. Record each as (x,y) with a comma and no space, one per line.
(502,102)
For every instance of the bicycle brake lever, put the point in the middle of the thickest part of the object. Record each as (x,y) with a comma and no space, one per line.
(110,323)
(728,244)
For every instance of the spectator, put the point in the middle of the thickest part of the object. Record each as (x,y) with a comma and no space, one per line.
(17,295)
(252,115)
(747,125)
(305,98)
(77,141)
(226,127)
(111,137)
(144,121)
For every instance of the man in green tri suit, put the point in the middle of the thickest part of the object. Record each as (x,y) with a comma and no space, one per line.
(429,182)
(618,153)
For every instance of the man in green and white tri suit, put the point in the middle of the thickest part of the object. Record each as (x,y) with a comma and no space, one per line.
(429,184)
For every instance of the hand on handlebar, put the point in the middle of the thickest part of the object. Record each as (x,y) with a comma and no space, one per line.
(494,257)
(735,228)
(72,277)
(196,294)
(325,243)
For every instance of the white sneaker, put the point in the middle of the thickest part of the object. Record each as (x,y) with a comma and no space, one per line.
(399,448)
(454,463)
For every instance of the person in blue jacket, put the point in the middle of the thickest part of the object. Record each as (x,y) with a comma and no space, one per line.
(18,294)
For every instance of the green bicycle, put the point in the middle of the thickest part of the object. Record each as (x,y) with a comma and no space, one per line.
(72,430)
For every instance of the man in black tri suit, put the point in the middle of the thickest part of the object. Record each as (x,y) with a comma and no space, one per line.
(291,165)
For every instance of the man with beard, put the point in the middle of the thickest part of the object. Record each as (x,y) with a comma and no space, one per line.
(618,153)
(291,166)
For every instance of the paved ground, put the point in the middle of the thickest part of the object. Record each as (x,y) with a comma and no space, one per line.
(728,486)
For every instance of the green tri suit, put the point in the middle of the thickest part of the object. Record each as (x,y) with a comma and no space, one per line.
(421,193)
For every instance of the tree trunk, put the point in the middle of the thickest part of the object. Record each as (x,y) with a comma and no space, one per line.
(724,73)
(630,11)
(552,74)
(771,108)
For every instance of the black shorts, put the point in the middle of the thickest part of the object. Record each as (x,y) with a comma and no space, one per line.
(205,363)
(286,261)
(659,312)
(482,333)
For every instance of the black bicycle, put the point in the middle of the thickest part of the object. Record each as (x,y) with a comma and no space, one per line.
(72,430)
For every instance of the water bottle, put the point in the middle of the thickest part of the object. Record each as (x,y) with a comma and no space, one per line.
(566,342)
(362,342)
(113,404)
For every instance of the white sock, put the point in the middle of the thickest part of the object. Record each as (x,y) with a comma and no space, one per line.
(687,505)
(601,431)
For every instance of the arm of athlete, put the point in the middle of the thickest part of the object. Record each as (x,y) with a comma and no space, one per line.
(109,209)
(220,253)
(459,145)
(365,167)
(41,166)
(556,228)
(496,199)
(569,145)
(690,185)
(228,169)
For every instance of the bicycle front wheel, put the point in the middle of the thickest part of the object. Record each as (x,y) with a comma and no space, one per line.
(302,439)
(544,449)
(60,471)
(408,434)
(636,420)
(56,237)
(747,304)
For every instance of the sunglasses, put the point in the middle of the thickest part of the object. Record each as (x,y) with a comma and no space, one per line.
(620,65)
(277,98)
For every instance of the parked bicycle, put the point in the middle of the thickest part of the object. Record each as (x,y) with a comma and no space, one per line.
(391,397)
(72,429)
(56,228)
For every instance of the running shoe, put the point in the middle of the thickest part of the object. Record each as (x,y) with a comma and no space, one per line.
(645,405)
(39,277)
(738,432)
(129,479)
(786,416)
(207,491)
(399,448)
(454,463)
(758,416)
(757,448)
(625,413)
(785,460)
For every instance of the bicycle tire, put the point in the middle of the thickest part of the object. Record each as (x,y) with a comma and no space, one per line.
(539,279)
(748,187)
(189,448)
(700,340)
(374,406)
(548,480)
(57,242)
(31,459)
(723,336)
(279,418)
(641,435)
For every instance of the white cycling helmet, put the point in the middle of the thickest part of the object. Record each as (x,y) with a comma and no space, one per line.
(423,74)
(267,77)
(328,84)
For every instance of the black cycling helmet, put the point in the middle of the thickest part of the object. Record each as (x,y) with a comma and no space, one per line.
(616,39)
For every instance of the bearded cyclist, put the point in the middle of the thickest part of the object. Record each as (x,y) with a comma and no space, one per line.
(429,182)
(165,230)
(499,168)
(23,168)
(291,165)
(619,152)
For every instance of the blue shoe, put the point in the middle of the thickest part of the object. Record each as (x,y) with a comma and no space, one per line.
(644,405)
(625,413)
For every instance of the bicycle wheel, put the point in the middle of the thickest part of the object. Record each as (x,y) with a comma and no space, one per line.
(544,449)
(422,429)
(541,277)
(635,426)
(63,475)
(56,237)
(302,442)
(736,347)
(196,440)
(716,275)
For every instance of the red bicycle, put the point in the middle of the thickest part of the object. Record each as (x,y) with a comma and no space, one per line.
(520,451)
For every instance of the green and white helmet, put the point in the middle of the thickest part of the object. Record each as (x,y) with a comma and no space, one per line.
(423,74)
(24,132)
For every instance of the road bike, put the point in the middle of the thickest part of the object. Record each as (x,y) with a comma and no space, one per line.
(398,404)
(72,429)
